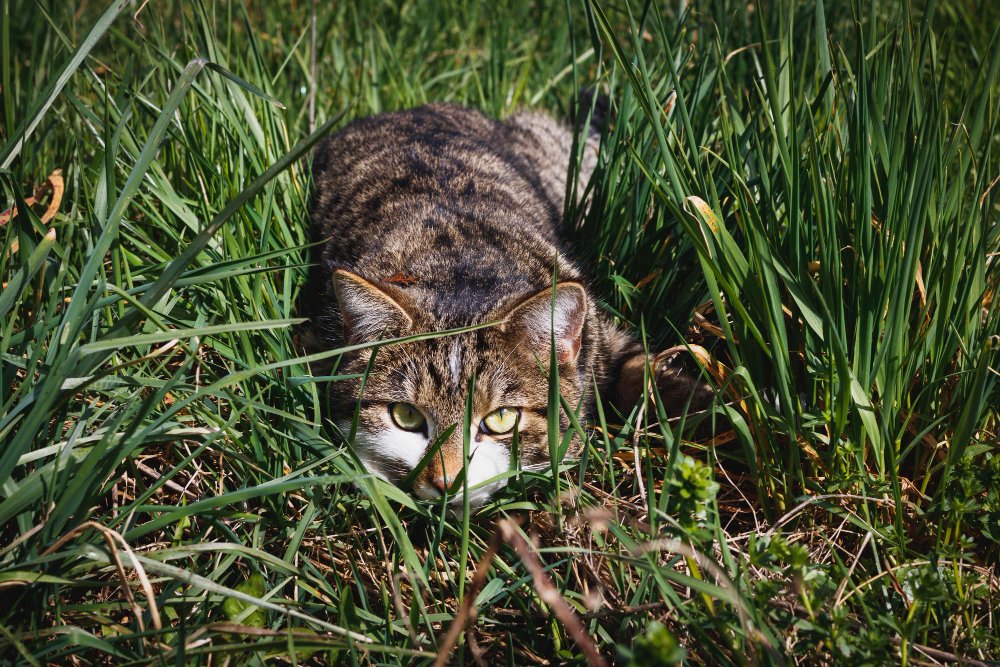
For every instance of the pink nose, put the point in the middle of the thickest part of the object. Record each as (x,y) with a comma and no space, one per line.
(440,484)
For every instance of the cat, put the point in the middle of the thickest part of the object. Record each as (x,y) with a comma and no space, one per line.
(440,217)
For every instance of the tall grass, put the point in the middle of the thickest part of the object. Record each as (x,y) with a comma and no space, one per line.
(806,192)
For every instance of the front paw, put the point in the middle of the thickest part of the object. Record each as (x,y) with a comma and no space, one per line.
(681,379)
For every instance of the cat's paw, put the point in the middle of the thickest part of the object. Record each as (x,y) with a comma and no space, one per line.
(680,377)
(681,380)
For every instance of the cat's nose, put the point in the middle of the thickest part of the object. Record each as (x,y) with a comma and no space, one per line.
(441,484)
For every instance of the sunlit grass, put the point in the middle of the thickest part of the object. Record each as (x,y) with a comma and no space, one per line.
(805,193)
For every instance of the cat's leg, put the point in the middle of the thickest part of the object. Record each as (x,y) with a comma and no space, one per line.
(679,378)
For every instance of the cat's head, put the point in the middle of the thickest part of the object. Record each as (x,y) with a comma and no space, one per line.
(415,392)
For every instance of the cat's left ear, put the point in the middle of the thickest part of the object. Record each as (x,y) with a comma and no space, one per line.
(539,317)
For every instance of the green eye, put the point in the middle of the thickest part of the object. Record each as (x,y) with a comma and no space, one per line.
(407,417)
(501,421)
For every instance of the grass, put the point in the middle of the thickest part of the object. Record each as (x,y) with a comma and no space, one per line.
(804,189)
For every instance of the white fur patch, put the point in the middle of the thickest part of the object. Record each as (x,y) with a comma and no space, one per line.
(395,448)
(488,459)
(396,444)
(455,362)
(391,449)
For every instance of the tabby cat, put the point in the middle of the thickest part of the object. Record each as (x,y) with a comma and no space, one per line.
(437,218)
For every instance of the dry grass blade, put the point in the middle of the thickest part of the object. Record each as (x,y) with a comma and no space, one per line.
(467,612)
(54,184)
(548,594)
(707,564)
(112,537)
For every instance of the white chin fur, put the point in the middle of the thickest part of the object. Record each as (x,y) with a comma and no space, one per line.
(488,459)
(396,448)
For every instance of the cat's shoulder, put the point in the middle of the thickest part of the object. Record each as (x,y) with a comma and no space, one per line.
(416,122)
(430,128)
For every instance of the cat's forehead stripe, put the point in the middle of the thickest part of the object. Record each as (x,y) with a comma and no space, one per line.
(455,361)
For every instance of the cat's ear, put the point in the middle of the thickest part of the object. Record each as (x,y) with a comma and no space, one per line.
(538,318)
(369,313)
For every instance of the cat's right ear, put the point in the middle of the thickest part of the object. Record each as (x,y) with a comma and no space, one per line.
(540,318)
(368,313)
